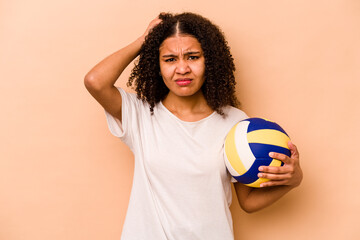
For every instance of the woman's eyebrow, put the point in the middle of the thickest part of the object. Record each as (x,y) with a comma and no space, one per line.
(169,55)
(186,53)
(192,52)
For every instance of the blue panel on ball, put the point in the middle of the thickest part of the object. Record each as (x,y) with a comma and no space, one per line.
(261,150)
(251,175)
(260,123)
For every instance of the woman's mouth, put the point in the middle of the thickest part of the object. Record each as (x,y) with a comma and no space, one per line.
(183,81)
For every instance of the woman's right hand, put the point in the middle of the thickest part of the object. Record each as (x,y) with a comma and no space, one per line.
(152,24)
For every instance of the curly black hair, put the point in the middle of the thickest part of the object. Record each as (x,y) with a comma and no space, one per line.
(219,85)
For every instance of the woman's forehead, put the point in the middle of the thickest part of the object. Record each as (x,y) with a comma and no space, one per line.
(180,43)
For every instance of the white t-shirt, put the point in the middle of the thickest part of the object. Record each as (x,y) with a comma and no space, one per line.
(181,188)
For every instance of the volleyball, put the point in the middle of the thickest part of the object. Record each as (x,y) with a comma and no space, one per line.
(247,147)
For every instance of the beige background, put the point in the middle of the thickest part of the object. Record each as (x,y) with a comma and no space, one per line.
(64,176)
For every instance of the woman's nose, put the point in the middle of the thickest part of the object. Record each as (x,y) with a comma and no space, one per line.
(182,67)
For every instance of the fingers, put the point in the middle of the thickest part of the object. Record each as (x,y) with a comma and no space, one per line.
(152,24)
(276,173)
(274,183)
(161,14)
(293,149)
(276,177)
(288,174)
(285,159)
(281,157)
(155,22)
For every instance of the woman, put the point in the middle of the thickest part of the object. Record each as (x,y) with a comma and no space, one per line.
(176,125)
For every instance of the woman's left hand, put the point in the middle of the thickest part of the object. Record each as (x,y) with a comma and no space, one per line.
(289,174)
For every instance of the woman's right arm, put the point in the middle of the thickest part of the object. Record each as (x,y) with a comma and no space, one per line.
(101,78)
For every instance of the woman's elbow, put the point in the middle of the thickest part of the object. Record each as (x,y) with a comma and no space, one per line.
(91,82)
(249,208)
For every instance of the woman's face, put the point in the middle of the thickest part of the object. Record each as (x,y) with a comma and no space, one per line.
(182,65)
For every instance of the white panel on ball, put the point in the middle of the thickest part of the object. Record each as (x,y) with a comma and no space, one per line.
(242,145)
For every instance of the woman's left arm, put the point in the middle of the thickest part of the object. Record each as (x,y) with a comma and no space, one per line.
(282,180)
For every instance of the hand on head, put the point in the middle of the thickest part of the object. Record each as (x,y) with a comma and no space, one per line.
(152,24)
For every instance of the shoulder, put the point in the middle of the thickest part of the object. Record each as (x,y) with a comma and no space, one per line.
(231,117)
(128,95)
(131,98)
(234,114)
(132,106)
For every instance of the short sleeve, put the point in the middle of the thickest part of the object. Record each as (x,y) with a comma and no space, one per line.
(114,123)
(129,107)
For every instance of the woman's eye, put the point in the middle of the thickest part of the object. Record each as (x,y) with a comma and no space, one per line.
(170,60)
(193,57)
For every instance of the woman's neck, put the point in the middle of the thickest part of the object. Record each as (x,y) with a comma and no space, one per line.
(188,108)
